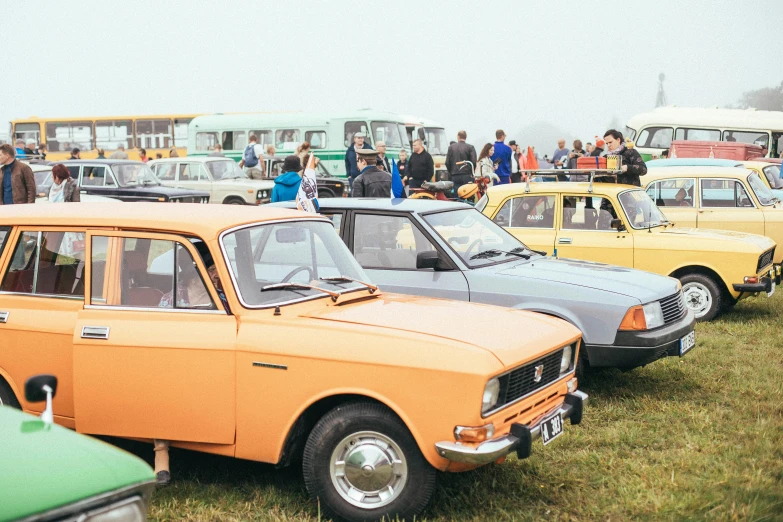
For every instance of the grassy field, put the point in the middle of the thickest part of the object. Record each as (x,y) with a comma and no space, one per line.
(698,438)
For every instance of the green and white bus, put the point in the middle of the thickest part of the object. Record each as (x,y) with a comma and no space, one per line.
(329,134)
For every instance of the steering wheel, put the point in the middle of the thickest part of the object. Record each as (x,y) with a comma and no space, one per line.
(295,271)
(474,244)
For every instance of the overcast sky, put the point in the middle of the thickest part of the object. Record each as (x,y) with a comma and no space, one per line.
(467,64)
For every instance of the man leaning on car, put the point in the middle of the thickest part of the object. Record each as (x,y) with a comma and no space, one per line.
(16,178)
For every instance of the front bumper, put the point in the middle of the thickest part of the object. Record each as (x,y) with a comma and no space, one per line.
(765,284)
(632,349)
(520,439)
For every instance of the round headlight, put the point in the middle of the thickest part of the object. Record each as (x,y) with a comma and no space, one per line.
(490,398)
(565,362)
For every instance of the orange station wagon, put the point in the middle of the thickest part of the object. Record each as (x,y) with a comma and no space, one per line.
(253,333)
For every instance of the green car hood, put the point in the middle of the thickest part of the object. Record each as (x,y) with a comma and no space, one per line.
(45,467)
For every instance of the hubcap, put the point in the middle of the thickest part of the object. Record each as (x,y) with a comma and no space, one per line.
(368,469)
(697,298)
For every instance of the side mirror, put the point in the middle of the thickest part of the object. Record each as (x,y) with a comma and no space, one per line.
(617,224)
(42,388)
(428,259)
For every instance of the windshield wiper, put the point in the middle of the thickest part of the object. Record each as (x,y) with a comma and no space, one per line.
(301,286)
(492,252)
(346,279)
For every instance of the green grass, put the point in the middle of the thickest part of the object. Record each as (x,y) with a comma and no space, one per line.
(698,438)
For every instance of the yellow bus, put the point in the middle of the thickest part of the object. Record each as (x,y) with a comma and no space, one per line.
(157,134)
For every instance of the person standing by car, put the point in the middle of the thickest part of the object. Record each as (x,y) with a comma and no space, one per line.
(516,163)
(351,169)
(502,156)
(380,146)
(371,182)
(421,168)
(102,155)
(458,153)
(217,152)
(64,188)
(402,166)
(16,178)
(486,167)
(253,159)
(120,153)
(77,154)
(633,164)
(287,184)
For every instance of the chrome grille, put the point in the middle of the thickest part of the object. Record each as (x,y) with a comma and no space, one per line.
(766,259)
(673,307)
(519,382)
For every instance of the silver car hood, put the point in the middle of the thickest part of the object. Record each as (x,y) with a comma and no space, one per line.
(637,284)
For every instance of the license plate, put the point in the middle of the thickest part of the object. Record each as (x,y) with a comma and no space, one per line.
(551,429)
(772,288)
(687,342)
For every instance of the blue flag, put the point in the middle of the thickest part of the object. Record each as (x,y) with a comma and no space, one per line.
(397,188)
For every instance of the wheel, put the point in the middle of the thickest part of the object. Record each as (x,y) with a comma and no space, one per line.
(234,201)
(361,462)
(295,271)
(325,193)
(702,296)
(7,397)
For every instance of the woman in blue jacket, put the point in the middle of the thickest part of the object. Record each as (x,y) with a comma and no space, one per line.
(287,183)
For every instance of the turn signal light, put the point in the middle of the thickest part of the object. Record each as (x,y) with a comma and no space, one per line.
(634,319)
(751,280)
(474,434)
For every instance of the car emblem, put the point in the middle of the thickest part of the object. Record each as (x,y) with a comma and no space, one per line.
(539,373)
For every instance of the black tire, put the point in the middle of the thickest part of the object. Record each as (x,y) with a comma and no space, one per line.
(7,397)
(325,193)
(339,434)
(234,201)
(702,295)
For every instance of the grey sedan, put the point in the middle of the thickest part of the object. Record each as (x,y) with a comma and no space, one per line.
(628,317)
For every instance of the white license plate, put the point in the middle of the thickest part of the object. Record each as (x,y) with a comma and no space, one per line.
(551,429)
(772,277)
(687,342)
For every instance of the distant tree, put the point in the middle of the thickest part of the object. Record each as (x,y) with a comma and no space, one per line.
(767,98)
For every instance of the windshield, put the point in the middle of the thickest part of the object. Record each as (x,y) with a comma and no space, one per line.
(437,143)
(474,237)
(43,177)
(641,210)
(387,132)
(762,191)
(299,252)
(132,174)
(224,169)
(773,176)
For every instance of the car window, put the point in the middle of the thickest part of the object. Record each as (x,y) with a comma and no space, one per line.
(762,191)
(287,139)
(772,173)
(47,263)
(157,274)
(658,137)
(99,248)
(317,139)
(391,242)
(165,171)
(527,212)
(724,193)
(335,217)
(94,176)
(73,170)
(673,192)
(4,231)
(224,169)
(587,213)
(697,134)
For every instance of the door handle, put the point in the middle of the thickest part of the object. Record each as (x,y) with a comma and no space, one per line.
(95,332)
(4,317)
(564,240)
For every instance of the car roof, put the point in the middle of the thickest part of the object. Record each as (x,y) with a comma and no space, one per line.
(201,159)
(692,162)
(203,220)
(701,172)
(537,187)
(401,204)
(101,161)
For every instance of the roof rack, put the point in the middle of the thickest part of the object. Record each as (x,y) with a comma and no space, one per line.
(593,173)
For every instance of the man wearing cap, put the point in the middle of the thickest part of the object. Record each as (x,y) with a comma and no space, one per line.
(351,169)
(287,183)
(599,147)
(371,182)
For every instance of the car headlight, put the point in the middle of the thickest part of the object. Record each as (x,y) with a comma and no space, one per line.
(490,398)
(653,315)
(565,362)
(262,194)
(130,510)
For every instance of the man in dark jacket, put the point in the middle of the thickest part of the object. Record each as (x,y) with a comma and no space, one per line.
(371,182)
(633,164)
(16,178)
(421,168)
(351,170)
(460,152)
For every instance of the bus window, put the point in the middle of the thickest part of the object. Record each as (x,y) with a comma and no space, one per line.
(153,134)
(206,140)
(658,137)
(27,131)
(284,136)
(317,139)
(697,134)
(233,140)
(753,138)
(387,132)
(264,136)
(351,128)
(110,134)
(65,135)
(181,131)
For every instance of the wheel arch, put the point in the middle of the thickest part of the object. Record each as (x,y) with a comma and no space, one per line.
(705,271)
(233,197)
(6,378)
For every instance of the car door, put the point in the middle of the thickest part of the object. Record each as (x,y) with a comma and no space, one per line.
(97,180)
(725,204)
(153,350)
(41,294)
(386,245)
(531,219)
(676,197)
(585,231)
(166,172)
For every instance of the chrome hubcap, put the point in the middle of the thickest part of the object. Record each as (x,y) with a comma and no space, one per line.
(368,469)
(697,298)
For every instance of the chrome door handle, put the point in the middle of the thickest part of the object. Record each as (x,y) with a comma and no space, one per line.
(4,317)
(564,240)
(95,332)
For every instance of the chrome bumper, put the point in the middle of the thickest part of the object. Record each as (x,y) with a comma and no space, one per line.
(520,439)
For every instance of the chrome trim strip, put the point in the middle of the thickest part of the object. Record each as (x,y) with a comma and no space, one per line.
(4,317)
(152,309)
(95,332)
(270,365)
